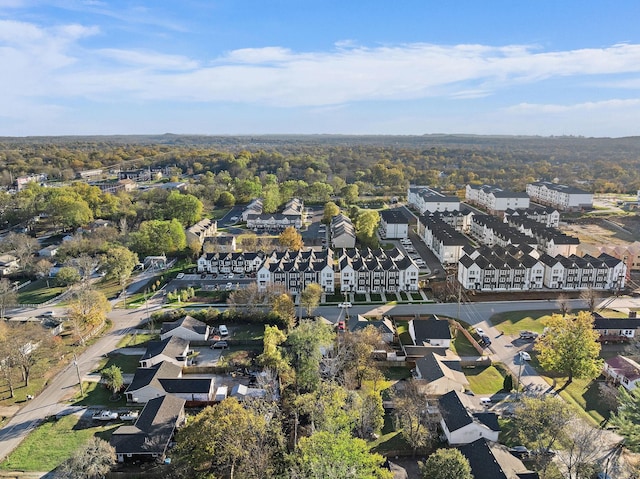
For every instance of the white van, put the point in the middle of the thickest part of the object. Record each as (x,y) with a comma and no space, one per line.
(223,330)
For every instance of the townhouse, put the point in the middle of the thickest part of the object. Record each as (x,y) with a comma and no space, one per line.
(426,199)
(294,270)
(492,231)
(563,197)
(548,239)
(342,231)
(494,199)
(221,263)
(253,208)
(578,273)
(442,239)
(203,229)
(546,215)
(291,215)
(376,271)
(393,225)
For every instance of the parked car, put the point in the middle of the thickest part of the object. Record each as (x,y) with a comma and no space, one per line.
(229,286)
(528,335)
(180,276)
(524,356)
(485,339)
(480,332)
(345,304)
(129,415)
(234,218)
(220,345)
(105,415)
(519,451)
(222,329)
(340,326)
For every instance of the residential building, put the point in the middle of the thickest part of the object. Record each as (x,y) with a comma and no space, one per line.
(442,239)
(393,224)
(23,181)
(494,461)
(225,263)
(203,229)
(150,436)
(462,427)
(376,271)
(293,207)
(546,215)
(579,273)
(565,198)
(342,231)
(431,331)
(384,326)
(494,199)
(172,349)
(440,375)
(253,208)
(49,251)
(629,253)
(622,370)
(492,231)
(459,220)
(548,239)
(294,270)
(8,264)
(242,392)
(615,329)
(273,222)
(135,175)
(425,199)
(220,244)
(187,328)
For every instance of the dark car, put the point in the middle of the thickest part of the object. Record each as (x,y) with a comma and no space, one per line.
(486,340)
(220,345)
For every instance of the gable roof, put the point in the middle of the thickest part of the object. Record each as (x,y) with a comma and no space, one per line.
(151,376)
(187,322)
(153,429)
(600,323)
(431,328)
(358,322)
(624,366)
(482,460)
(453,412)
(171,347)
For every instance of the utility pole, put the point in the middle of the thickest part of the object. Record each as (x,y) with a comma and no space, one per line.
(75,362)
(519,375)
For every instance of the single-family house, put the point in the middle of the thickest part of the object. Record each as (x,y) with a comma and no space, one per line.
(146,381)
(8,264)
(622,370)
(462,427)
(49,251)
(384,326)
(615,329)
(187,328)
(431,331)
(440,375)
(171,349)
(149,437)
(493,461)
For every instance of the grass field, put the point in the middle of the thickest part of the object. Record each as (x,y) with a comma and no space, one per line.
(511,323)
(38,292)
(131,340)
(126,362)
(584,396)
(95,394)
(462,347)
(52,443)
(485,380)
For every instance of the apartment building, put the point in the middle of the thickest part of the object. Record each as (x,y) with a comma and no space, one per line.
(225,263)
(376,271)
(426,199)
(342,231)
(294,270)
(563,197)
(494,199)
(442,239)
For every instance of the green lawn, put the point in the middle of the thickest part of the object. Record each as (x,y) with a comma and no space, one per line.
(376,297)
(131,340)
(38,292)
(247,331)
(390,440)
(126,362)
(395,372)
(96,394)
(52,443)
(462,347)
(584,396)
(485,380)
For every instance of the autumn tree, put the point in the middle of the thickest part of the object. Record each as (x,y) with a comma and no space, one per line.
(272,356)
(67,276)
(330,210)
(366,224)
(410,411)
(87,309)
(310,297)
(21,245)
(570,346)
(283,307)
(350,193)
(7,351)
(581,447)
(118,263)
(446,464)
(91,461)
(563,304)
(32,345)
(291,239)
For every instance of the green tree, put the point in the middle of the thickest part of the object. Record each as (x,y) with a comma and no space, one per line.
(310,297)
(187,209)
(446,464)
(67,276)
(226,199)
(303,346)
(283,307)
(270,198)
(291,239)
(507,384)
(627,418)
(570,346)
(92,461)
(112,378)
(366,225)
(330,210)
(350,193)
(324,455)
(88,308)
(272,354)
(227,440)
(157,237)
(69,210)
(118,263)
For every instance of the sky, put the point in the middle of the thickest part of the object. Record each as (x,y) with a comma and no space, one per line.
(98,67)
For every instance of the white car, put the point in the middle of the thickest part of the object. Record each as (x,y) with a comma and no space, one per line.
(346,304)
(229,286)
(234,218)
(480,331)
(525,356)
(222,329)
(180,276)
(129,416)
(105,415)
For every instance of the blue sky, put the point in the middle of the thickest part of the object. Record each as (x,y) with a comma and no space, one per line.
(301,66)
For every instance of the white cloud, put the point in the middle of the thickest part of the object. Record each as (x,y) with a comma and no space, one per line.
(592,106)
(148,59)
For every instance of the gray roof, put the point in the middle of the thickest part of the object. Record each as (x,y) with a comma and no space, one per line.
(482,460)
(393,217)
(431,328)
(187,322)
(453,412)
(151,376)
(171,347)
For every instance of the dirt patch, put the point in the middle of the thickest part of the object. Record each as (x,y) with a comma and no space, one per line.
(619,230)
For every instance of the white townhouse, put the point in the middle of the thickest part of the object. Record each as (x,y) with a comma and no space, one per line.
(573,273)
(294,270)
(203,229)
(393,224)
(459,220)
(548,239)
(295,206)
(376,271)
(565,198)
(443,240)
(494,199)
(253,208)
(240,263)
(343,233)
(426,199)
(273,222)
(546,215)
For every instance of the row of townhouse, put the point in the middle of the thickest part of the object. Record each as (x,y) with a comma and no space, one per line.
(563,197)
(549,240)
(442,239)
(547,215)
(291,215)
(494,199)
(342,231)
(253,208)
(510,269)
(426,199)
(376,271)
(241,263)
(295,270)
(492,231)
(203,229)
(393,224)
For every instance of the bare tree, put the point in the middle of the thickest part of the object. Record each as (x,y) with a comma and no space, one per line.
(591,296)
(582,445)
(32,344)
(411,413)
(563,304)
(8,296)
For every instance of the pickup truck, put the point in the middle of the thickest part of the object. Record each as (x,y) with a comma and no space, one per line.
(105,415)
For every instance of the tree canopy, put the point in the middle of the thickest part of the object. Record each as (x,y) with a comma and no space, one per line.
(446,464)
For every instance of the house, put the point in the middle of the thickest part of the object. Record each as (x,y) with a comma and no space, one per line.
(202,230)
(295,206)
(384,326)
(220,244)
(172,349)
(546,215)
(253,208)
(432,332)
(580,273)
(440,375)
(562,197)
(8,264)
(622,370)
(149,437)
(493,461)
(393,224)
(187,328)
(342,231)
(462,427)
(426,199)
(615,329)
(494,199)
(240,263)
(146,382)
(49,251)
(378,271)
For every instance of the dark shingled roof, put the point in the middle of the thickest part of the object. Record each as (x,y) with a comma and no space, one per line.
(489,419)
(482,461)
(431,328)
(453,412)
